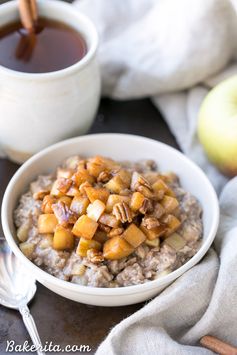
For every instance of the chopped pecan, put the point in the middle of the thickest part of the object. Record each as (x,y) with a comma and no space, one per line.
(64,184)
(115,231)
(103,227)
(150,222)
(122,212)
(146,206)
(104,176)
(63,214)
(94,256)
(138,180)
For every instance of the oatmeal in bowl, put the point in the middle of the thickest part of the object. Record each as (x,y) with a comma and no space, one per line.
(109,235)
(103,223)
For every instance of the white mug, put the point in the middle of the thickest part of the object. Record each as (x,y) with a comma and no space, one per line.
(37,110)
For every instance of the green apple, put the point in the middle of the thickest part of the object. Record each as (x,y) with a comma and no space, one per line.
(217,126)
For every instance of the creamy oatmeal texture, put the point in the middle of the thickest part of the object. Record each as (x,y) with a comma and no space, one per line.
(155,228)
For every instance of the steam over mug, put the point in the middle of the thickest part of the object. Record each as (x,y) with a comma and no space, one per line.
(37,109)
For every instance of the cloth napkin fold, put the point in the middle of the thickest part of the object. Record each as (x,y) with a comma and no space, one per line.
(174,52)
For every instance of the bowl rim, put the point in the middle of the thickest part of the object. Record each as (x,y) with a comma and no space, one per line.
(103,291)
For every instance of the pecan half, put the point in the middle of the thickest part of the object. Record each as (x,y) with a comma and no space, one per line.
(104,177)
(150,222)
(122,212)
(63,214)
(115,231)
(94,256)
(138,180)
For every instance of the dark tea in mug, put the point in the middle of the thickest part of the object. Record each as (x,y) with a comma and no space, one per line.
(53,46)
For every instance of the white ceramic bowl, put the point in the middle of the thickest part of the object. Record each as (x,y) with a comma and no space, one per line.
(119,147)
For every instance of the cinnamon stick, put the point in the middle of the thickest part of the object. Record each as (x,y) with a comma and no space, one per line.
(218,346)
(28,14)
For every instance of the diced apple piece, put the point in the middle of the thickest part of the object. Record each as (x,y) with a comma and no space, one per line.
(109,220)
(47,241)
(79,204)
(125,176)
(64,173)
(154,232)
(47,203)
(113,199)
(85,244)
(47,223)
(136,201)
(100,236)
(133,235)
(66,199)
(93,194)
(169,203)
(116,184)
(175,241)
(82,176)
(63,239)
(98,164)
(23,231)
(95,166)
(27,249)
(85,227)
(117,248)
(155,243)
(95,210)
(160,185)
(172,224)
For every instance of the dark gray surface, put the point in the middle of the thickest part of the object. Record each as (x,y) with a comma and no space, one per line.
(60,320)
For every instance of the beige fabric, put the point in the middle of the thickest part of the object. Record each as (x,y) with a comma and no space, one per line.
(175,51)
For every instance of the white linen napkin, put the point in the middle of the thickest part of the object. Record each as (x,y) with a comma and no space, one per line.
(174,52)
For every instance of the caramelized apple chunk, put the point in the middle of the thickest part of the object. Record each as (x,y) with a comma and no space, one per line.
(95,210)
(81,176)
(117,248)
(133,235)
(169,203)
(84,245)
(79,204)
(63,239)
(97,194)
(47,223)
(85,227)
